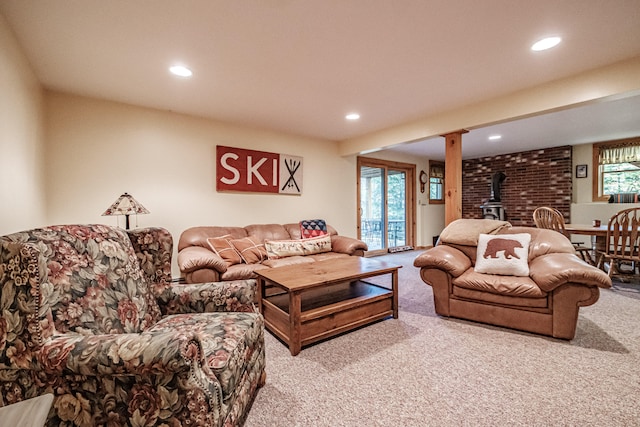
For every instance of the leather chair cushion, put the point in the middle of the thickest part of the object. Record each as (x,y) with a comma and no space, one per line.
(516,286)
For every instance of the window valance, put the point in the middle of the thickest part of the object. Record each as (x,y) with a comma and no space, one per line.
(626,153)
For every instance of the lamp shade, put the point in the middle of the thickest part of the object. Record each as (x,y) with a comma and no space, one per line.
(125,205)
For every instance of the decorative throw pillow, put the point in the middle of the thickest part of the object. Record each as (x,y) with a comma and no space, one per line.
(505,254)
(250,249)
(224,249)
(284,248)
(313,228)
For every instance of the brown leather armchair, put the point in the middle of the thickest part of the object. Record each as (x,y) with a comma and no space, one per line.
(545,302)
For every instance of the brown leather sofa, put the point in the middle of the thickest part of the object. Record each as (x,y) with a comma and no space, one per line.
(546,302)
(199,263)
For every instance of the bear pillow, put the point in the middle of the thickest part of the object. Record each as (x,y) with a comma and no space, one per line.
(504,254)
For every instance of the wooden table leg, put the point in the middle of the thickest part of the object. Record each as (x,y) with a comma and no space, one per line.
(295,343)
(394,289)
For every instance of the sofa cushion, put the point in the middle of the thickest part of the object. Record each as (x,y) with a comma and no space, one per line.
(286,248)
(224,249)
(504,254)
(251,250)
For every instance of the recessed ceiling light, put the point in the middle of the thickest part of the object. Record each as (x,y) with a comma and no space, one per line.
(495,137)
(180,70)
(546,43)
(352,116)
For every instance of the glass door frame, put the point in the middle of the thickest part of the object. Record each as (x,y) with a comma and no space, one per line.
(410,197)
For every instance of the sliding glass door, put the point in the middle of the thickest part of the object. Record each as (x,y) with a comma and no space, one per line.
(385,204)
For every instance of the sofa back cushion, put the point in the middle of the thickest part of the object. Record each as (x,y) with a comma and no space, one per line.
(197,236)
(543,241)
(93,283)
(268,232)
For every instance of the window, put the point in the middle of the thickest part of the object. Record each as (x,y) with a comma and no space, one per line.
(618,168)
(436,182)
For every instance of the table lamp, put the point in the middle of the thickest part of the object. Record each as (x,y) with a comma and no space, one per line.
(125,205)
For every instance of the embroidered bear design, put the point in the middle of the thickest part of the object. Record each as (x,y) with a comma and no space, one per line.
(507,245)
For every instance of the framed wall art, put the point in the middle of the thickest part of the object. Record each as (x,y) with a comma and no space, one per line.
(581,171)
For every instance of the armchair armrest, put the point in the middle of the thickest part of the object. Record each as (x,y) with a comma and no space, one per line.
(154,351)
(195,258)
(236,295)
(444,258)
(347,245)
(553,270)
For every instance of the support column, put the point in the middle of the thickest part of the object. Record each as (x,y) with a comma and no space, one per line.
(453,176)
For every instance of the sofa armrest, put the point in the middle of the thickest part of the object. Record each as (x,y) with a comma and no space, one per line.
(236,295)
(553,270)
(347,245)
(444,258)
(195,257)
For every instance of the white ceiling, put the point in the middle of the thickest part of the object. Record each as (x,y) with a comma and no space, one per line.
(601,121)
(299,66)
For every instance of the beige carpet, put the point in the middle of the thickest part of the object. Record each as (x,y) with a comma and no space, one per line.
(424,370)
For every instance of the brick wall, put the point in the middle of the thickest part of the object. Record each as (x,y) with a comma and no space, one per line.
(534,178)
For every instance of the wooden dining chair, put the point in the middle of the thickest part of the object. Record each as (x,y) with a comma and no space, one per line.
(552,219)
(623,241)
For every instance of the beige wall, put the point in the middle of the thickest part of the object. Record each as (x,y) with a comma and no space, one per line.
(583,210)
(22,195)
(65,158)
(97,150)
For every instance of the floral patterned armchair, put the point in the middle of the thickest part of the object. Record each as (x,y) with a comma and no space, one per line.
(89,313)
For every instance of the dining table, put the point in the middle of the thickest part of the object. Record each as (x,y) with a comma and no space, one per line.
(598,233)
(598,237)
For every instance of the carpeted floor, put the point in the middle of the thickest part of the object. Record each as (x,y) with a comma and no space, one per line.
(424,370)
(627,285)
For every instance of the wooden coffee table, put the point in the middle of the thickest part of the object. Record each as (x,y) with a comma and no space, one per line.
(325,298)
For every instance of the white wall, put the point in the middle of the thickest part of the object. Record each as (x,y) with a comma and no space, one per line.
(21,139)
(96,150)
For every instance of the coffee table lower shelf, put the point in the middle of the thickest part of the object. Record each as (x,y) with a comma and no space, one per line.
(326,311)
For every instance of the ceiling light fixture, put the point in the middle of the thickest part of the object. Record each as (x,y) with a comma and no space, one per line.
(546,43)
(180,70)
(352,116)
(495,137)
